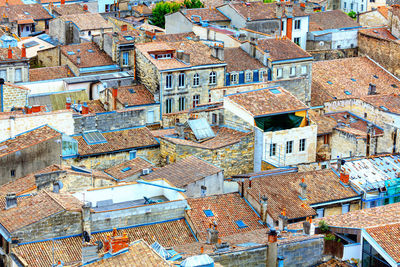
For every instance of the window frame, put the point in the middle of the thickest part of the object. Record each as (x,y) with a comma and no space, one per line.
(212,79)
(250,75)
(289,147)
(297,40)
(234,78)
(290,71)
(196,79)
(297,24)
(272,149)
(181,80)
(168,105)
(302,145)
(168,81)
(182,103)
(281,73)
(303,67)
(125,60)
(15,74)
(196,100)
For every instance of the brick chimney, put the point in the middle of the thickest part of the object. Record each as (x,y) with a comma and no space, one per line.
(289,10)
(272,250)
(85,108)
(217,51)
(85,7)
(124,28)
(9,56)
(344,177)
(212,234)
(279,10)
(68,103)
(115,244)
(303,190)
(264,206)
(86,218)
(62,2)
(372,89)
(282,220)
(114,95)
(11,201)
(23,51)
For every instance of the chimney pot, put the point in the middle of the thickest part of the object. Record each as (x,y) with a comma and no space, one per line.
(279,10)
(78,60)
(9,52)
(11,200)
(23,51)
(85,108)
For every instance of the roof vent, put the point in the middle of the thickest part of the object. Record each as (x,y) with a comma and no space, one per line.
(11,200)
(375,31)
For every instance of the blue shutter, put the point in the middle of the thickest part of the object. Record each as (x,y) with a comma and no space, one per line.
(269,75)
(255,76)
(241,77)
(227,79)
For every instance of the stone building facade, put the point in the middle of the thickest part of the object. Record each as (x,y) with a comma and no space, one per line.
(13,96)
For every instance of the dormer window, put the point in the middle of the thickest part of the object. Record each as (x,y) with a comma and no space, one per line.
(164,56)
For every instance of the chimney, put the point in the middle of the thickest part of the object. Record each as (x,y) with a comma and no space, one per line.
(115,244)
(309,9)
(124,28)
(308,227)
(264,206)
(272,250)
(267,56)
(114,95)
(78,60)
(212,234)
(85,7)
(11,201)
(289,10)
(218,52)
(85,108)
(253,49)
(279,10)
(372,89)
(344,177)
(23,51)
(68,103)
(9,52)
(87,218)
(179,54)
(186,58)
(180,130)
(62,2)
(282,220)
(303,190)
(250,182)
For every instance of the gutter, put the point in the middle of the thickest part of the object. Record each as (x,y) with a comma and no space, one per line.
(162,186)
(335,201)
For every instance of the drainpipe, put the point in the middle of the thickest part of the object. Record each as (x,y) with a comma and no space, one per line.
(2,94)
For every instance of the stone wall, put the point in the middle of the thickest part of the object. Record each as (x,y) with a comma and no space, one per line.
(147,74)
(372,19)
(106,161)
(233,159)
(384,51)
(344,145)
(59,120)
(169,120)
(214,184)
(256,257)
(60,224)
(334,54)
(49,57)
(14,97)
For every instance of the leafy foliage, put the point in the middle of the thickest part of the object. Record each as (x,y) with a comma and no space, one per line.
(268,1)
(160,10)
(330,237)
(193,4)
(352,14)
(323,226)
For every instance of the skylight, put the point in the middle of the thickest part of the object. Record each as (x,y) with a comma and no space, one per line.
(384,108)
(241,224)
(329,82)
(129,38)
(394,85)
(93,138)
(275,91)
(71,53)
(126,169)
(131,91)
(376,76)
(26,13)
(347,92)
(208,213)
(353,79)
(90,51)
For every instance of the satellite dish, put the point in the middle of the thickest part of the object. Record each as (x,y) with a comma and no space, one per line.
(321,43)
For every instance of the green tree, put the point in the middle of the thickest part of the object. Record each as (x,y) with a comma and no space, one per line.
(193,4)
(160,10)
(268,1)
(352,14)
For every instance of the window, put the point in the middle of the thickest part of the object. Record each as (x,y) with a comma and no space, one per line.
(213,77)
(18,75)
(296,40)
(344,5)
(249,76)
(28,28)
(371,257)
(196,80)
(168,81)
(12,173)
(272,150)
(107,8)
(279,73)
(182,103)
(326,139)
(320,213)
(351,6)
(168,105)
(262,75)
(3,74)
(292,71)
(196,100)
(345,208)
(214,118)
(234,78)
(289,147)
(163,56)
(125,58)
(372,1)
(208,213)
(241,224)
(283,26)
(362,7)
(302,145)
(132,154)
(125,169)
(297,24)
(303,69)
(181,80)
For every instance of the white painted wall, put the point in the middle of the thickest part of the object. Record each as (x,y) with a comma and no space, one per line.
(351,251)
(302,32)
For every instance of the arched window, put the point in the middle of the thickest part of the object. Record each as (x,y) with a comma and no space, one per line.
(213,77)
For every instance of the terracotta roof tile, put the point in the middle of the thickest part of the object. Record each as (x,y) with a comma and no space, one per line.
(283,191)
(69,250)
(34,208)
(200,54)
(325,123)
(27,139)
(143,10)
(16,54)
(134,95)
(262,11)
(388,237)
(175,37)
(184,171)
(213,3)
(118,140)
(139,253)
(382,33)
(360,218)
(95,106)
(11,2)
(384,11)
(136,165)
(331,78)
(389,102)
(88,21)
(23,12)
(69,9)
(224,137)
(238,60)
(282,49)
(267,101)
(49,73)
(333,19)
(91,55)
(206,14)
(227,209)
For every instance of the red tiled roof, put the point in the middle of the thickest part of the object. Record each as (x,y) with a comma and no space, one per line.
(35,208)
(389,102)
(118,140)
(69,250)
(227,209)
(11,2)
(382,33)
(238,60)
(383,10)
(331,78)
(267,101)
(333,19)
(16,54)
(136,166)
(69,9)
(24,12)
(282,49)
(184,171)
(134,95)
(325,124)
(206,14)
(27,139)
(174,37)
(388,237)
(49,73)
(91,55)
(88,21)
(95,106)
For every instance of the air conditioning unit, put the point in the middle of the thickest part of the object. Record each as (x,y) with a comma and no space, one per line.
(146,171)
